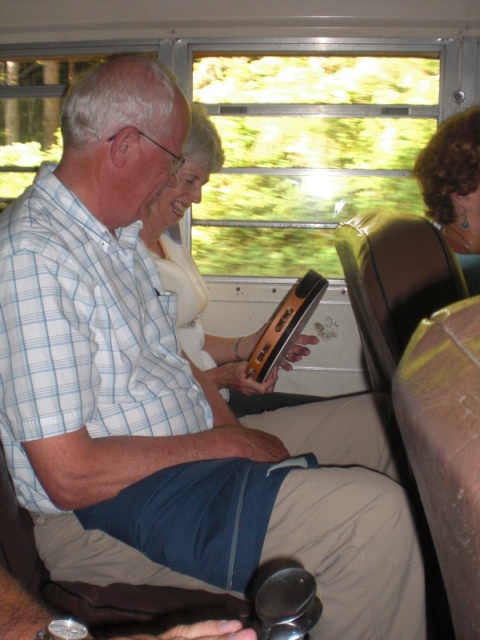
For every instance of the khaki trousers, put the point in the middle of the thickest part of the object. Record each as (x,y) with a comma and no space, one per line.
(351,527)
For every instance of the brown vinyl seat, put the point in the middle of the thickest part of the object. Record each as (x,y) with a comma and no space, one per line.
(398,270)
(436,393)
(140,607)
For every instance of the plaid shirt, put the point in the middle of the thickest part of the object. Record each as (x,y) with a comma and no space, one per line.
(88,334)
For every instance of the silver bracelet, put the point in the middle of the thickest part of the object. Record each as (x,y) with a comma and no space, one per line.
(238,357)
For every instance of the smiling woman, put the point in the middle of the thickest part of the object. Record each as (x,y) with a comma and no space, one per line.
(203,156)
(223,358)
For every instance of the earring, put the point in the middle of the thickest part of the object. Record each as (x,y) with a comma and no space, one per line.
(464,224)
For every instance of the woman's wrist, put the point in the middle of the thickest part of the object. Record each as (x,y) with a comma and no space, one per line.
(218,377)
(236,349)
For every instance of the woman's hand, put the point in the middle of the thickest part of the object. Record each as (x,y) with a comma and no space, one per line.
(232,355)
(298,350)
(232,376)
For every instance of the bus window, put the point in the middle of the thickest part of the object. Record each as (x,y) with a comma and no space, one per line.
(310,140)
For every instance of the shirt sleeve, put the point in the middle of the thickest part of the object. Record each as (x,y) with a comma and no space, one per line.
(49,380)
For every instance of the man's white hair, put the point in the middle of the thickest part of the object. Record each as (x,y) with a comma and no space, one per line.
(124,91)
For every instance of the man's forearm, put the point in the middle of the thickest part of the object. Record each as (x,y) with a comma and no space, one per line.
(78,471)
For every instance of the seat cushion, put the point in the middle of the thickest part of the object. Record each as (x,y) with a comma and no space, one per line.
(141,605)
(398,270)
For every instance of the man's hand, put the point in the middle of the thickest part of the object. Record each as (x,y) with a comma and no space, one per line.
(240,442)
(210,630)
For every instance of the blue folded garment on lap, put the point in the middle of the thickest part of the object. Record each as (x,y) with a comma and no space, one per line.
(204,519)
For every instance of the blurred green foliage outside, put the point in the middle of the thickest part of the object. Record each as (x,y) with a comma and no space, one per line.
(282,166)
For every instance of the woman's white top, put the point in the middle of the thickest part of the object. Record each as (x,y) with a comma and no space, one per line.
(180,274)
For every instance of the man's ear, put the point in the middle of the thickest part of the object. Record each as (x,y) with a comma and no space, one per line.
(124,145)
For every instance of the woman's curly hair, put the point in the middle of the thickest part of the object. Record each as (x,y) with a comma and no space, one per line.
(450,163)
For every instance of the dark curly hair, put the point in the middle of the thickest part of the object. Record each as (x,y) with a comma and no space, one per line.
(450,163)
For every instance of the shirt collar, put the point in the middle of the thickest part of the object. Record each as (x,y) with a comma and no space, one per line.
(70,205)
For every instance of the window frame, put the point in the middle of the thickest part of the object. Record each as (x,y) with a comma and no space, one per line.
(458,72)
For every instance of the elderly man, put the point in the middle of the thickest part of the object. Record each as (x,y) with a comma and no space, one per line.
(132,465)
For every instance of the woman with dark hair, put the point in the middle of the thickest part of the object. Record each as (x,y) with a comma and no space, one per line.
(448,171)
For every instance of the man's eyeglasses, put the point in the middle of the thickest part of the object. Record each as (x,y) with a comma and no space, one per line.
(178,161)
